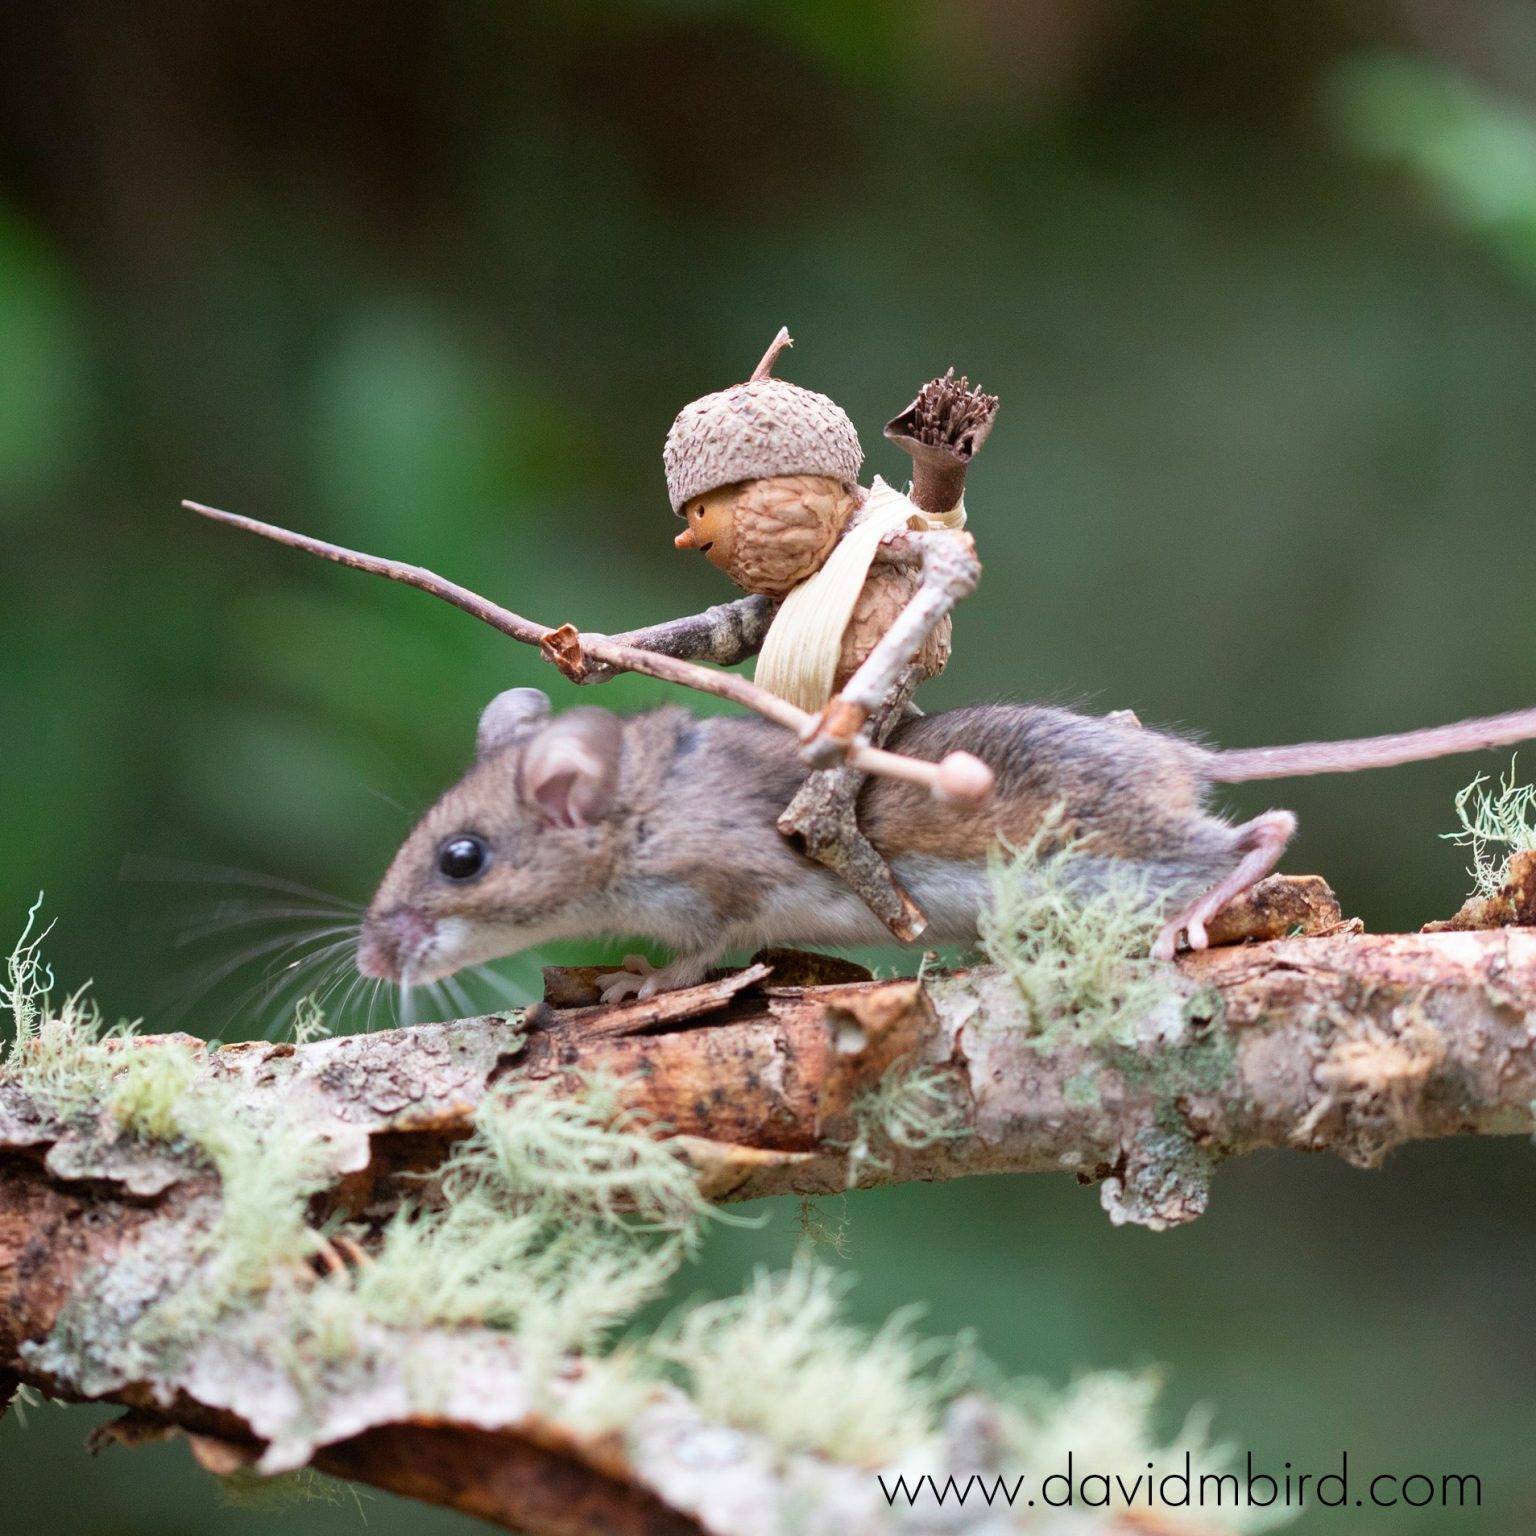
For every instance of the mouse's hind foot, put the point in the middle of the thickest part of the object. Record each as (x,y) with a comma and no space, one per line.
(1261,842)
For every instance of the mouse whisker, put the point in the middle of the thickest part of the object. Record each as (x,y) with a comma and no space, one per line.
(338,1014)
(200,984)
(389,800)
(502,988)
(371,993)
(222,919)
(177,871)
(458,994)
(318,985)
(275,951)
(294,938)
(442,1002)
(292,977)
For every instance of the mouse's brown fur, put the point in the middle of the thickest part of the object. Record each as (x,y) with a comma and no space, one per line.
(663,826)
(686,851)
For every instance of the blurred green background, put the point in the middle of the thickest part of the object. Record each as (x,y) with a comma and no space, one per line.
(1257,286)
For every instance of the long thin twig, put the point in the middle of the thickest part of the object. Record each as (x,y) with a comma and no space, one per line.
(568,650)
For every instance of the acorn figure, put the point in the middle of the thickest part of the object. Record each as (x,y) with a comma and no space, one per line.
(851,588)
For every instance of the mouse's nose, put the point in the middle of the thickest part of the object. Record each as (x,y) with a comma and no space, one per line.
(389,941)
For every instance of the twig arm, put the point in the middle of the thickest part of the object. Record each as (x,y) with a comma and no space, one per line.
(959,776)
(482,608)
(723,635)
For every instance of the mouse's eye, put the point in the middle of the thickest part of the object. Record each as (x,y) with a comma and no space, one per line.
(463,857)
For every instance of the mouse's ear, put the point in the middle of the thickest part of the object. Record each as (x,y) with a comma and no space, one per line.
(510,717)
(571,768)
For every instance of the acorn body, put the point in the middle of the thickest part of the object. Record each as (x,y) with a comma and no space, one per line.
(887,590)
(770,534)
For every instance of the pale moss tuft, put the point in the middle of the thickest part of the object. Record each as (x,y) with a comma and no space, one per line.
(1072,931)
(62,1056)
(308,1021)
(578,1154)
(150,1088)
(911,1107)
(21,1402)
(268,1167)
(1103,1422)
(248,1489)
(1495,825)
(59,1054)
(817,1230)
(780,1359)
(608,1393)
(560,1218)
(28,984)
(267,1172)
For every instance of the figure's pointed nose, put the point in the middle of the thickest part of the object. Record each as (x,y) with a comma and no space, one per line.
(686,539)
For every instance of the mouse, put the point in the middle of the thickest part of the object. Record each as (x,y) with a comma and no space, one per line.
(661,825)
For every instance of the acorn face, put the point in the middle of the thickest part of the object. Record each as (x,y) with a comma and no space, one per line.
(712,526)
(769,535)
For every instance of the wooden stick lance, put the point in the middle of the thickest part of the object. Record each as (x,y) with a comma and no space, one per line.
(960,776)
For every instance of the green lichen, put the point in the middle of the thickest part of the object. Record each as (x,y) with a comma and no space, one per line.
(913,1106)
(1201,1060)
(557,1219)
(1081,1090)
(249,1490)
(308,1022)
(64,1056)
(58,1053)
(1494,825)
(1072,931)
(781,1359)
(1104,1422)
(150,1087)
(607,1392)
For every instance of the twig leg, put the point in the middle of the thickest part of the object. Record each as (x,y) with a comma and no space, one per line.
(823,818)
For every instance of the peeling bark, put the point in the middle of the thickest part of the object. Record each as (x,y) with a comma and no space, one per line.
(1347,1043)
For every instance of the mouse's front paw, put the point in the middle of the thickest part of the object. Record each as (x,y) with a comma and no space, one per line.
(637,979)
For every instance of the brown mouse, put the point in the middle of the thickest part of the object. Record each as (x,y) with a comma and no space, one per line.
(662,825)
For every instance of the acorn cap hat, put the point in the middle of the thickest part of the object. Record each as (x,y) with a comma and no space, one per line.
(760,428)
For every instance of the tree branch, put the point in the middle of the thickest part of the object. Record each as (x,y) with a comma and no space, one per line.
(1346,1043)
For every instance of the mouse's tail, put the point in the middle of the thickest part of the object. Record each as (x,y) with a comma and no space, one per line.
(1372,751)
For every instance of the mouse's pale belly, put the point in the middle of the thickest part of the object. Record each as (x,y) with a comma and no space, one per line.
(953,893)
(820,909)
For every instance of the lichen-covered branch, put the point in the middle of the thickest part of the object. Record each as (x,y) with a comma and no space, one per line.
(1351,1044)
(776,1080)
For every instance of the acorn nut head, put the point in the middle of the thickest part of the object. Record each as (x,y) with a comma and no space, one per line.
(758,429)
